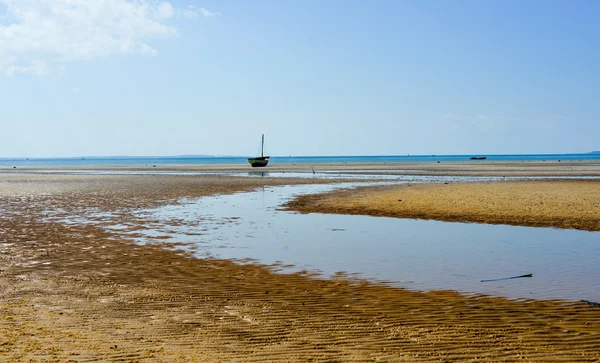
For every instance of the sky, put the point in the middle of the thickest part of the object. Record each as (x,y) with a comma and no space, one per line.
(188,77)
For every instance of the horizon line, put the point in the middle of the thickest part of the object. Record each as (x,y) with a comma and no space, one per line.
(274,156)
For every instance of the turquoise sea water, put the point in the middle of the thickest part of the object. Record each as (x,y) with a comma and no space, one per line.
(165,160)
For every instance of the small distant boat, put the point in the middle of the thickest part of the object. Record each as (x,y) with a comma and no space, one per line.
(478,157)
(262,160)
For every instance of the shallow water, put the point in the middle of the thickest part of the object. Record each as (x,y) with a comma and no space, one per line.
(416,254)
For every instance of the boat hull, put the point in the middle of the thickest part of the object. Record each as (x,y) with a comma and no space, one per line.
(258,162)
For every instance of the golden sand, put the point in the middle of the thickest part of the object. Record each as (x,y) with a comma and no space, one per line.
(552,203)
(81,293)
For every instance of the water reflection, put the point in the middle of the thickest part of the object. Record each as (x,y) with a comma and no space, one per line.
(416,254)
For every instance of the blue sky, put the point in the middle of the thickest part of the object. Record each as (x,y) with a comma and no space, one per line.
(117,77)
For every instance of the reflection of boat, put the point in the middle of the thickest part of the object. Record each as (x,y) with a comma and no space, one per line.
(261,160)
(478,157)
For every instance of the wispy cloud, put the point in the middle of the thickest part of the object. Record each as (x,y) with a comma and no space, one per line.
(193,12)
(41,36)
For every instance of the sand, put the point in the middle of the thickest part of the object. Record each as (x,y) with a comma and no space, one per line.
(74,292)
(467,168)
(547,203)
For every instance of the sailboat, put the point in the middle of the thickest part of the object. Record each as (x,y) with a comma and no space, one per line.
(262,160)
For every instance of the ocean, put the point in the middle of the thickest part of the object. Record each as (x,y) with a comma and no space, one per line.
(282,160)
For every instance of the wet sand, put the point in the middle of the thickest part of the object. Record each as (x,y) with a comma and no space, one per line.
(467,168)
(547,203)
(79,293)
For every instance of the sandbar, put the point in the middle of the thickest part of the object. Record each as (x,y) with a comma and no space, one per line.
(542,203)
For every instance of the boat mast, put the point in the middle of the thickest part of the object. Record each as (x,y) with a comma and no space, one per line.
(262,145)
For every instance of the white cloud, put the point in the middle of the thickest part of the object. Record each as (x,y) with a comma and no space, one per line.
(193,12)
(165,10)
(190,14)
(41,36)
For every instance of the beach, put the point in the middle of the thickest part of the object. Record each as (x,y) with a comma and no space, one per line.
(277,181)
(79,292)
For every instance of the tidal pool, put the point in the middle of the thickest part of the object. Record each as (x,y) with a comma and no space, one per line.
(415,254)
